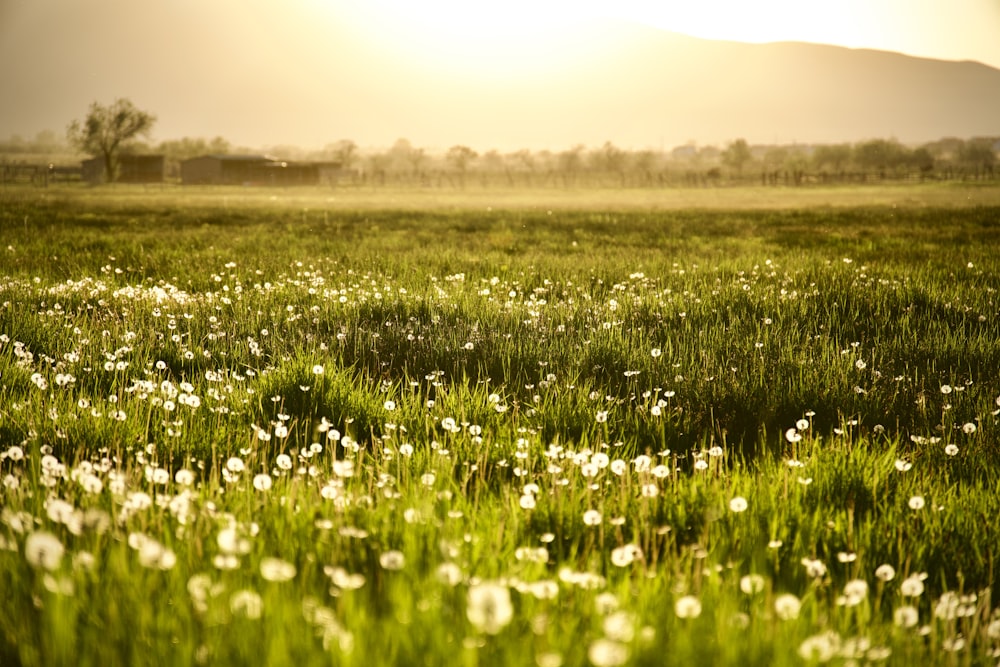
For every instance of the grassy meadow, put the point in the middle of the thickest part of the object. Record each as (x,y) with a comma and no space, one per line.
(698,427)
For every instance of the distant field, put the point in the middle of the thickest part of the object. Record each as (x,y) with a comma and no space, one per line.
(947,194)
(364,427)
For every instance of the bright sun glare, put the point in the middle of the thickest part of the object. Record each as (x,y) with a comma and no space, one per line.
(518,37)
(512,38)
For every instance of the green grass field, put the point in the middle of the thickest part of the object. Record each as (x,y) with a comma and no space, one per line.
(719,427)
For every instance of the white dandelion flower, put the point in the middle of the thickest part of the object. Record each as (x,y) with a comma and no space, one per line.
(43,550)
(276,570)
(489,607)
(687,607)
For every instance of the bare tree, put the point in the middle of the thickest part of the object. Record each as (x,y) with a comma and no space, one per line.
(106,129)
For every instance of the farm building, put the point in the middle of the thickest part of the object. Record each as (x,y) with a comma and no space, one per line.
(255,170)
(131,169)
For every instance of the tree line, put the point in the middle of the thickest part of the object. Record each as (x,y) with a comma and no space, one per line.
(108,131)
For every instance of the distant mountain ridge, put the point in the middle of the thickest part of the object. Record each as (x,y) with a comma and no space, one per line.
(787,91)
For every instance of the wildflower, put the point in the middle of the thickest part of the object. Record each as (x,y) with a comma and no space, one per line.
(787,606)
(389,405)
(602,416)
(623,556)
(912,586)
(903,465)
(246,603)
(154,555)
(792,435)
(906,616)
(820,648)
(916,502)
(184,477)
(343,579)
(489,607)
(885,572)
(283,461)
(262,482)
(607,653)
(655,352)
(43,550)
(318,369)
(946,389)
(158,476)
(752,584)
(277,570)
(951,450)
(532,555)
(814,568)
(968,428)
(592,518)
(235,465)
(855,591)
(738,504)
(392,560)
(449,574)
(619,626)
(687,607)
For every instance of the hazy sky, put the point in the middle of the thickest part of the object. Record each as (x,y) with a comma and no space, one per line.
(309,72)
(952,30)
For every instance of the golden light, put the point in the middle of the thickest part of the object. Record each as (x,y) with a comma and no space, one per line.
(515,38)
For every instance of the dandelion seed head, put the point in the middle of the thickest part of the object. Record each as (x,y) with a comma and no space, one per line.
(905,616)
(43,550)
(787,606)
(489,607)
(687,606)
(751,584)
(276,570)
(912,586)
(392,560)
(246,603)
(262,482)
(607,653)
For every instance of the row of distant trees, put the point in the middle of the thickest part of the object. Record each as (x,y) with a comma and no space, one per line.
(737,162)
(108,131)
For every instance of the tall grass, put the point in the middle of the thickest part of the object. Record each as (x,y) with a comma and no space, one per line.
(498,436)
